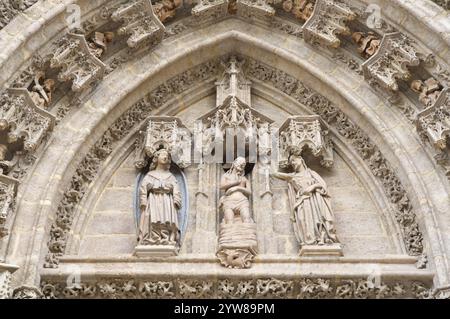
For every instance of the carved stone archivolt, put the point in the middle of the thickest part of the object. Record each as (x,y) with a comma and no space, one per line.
(262,288)
(10,8)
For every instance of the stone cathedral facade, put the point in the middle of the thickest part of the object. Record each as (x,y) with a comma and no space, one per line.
(224,149)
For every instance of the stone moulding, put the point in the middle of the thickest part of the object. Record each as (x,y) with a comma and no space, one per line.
(78,64)
(299,132)
(326,22)
(139,22)
(221,288)
(9,9)
(390,63)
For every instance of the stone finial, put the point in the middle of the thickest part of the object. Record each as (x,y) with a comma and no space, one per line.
(139,22)
(77,61)
(328,20)
(164,132)
(299,132)
(391,62)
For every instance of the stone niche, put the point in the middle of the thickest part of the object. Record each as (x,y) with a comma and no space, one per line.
(109,229)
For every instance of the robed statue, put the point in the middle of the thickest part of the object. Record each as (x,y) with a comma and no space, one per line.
(159,202)
(310,203)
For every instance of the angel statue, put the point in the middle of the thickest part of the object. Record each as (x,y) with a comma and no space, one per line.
(310,203)
(159,202)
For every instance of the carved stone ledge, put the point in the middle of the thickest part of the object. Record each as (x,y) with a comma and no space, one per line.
(6,272)
(139,22)
(299,132)
(326,22)
(433,123)
(390,63)
(77,62)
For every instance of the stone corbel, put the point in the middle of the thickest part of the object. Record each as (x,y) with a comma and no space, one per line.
(139,22)
(209,10)
(166,132)
(390,63)
(299,132)
(77,62)
(23,125)
(326,22)
(8,189)
(6,272)
(434,122)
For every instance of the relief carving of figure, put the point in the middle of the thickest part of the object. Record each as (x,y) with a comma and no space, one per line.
(159,202)
(312,214)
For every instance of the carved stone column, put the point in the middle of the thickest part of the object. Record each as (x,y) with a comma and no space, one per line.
(326,22)
(6,272)
(140,23)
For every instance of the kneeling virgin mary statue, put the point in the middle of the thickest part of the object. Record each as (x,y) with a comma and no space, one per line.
(159,202)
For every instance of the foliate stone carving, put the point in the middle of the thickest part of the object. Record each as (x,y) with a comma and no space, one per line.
(139,22)
(255,9)
(300,132)
(237,233)
(165,132)
(10,8)
(391,62)
(433,123)
(6,272)
(77,61)
(311,210)
(8,189)
(307,288)
(334,117)
(27,292)
(327,21)
(22,124)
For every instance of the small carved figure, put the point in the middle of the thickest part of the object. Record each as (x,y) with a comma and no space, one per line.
(428,90)
(42,90)
(160,201)
(165,9)
(368,43)
(99,43)
(301,9)
(310,203)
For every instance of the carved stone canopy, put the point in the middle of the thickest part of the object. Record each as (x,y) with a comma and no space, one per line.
(77,62)
(139,22)
(164,132)
(23,125)
(299,132)
(391,62)
(326,22)
(434,122)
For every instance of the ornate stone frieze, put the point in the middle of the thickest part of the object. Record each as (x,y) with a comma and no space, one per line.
(8,189)
(255,10)
(140,22)
(300,132)
(77,61)
(165,132)
(23,125)
(317,288)
(327,21)
(10,8)
(6,272)
(433,123)
(27,292)
(391,62)
(209,10)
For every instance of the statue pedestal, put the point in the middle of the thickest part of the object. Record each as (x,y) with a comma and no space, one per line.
(321,250)
(237,245)
(156,251)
